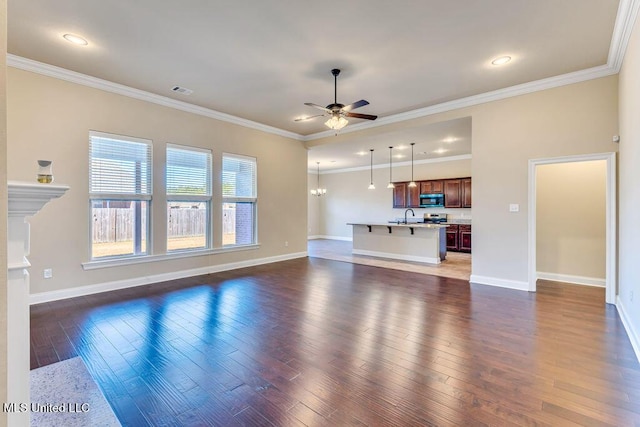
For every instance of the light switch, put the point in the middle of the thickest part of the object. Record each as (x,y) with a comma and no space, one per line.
(514,207)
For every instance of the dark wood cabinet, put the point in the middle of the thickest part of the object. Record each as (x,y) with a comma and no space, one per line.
(457,192)
(400,195)
(405,196)
(453,193)
(452,237)
(431,187)
(413,196)
(464,238)
(466,193)
(459,238)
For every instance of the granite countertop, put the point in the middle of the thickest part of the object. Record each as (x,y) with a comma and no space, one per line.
(395,224)
(459,221)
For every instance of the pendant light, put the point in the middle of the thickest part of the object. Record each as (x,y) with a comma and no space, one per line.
(371,186)
(390,185)
(319,191)
(412,183)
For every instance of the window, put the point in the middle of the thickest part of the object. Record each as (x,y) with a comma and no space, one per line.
(188,198)
(120,195)
(239,198)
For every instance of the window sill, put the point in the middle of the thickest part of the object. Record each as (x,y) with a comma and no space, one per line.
(97,264)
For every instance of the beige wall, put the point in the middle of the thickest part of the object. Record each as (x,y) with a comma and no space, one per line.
(315,204)
(349,200)
(51,119)
(575,119)
(3,209)
(629,195)
(570,220)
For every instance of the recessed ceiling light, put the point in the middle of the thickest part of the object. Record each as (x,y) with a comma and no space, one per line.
(440,150)
(75,39)
(399,156)
(362,153)
(501,61)
(449,140)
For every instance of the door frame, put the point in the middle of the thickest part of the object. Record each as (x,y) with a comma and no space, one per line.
(611,218)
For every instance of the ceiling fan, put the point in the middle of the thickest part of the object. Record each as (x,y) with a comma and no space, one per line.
(338,112)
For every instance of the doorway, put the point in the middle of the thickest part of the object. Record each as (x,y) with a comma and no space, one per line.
(610,217)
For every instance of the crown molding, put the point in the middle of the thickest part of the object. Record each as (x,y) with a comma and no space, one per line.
(625,20)
(623,27)
(107,86)
(395,164)
(496,95)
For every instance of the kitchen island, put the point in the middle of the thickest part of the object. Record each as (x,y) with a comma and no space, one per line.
(417,242)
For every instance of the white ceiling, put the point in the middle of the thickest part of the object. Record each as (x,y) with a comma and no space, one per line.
(262,60)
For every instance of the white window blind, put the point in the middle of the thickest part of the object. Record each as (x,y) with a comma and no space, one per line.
(119,166)
(188,171)
(239,175)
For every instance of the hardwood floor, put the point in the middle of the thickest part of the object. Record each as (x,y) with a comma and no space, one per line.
(323,343)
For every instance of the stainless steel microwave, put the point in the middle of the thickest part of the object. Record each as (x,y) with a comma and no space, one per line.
(432,200)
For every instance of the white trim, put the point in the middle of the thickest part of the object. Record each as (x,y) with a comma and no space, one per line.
(396,164)
(323,236)
(611,279)
(576,280)
(496,95)
(107,86)
(132,260)
(413,258)
(634,336)
(43,297)
(625,19)
(500,283)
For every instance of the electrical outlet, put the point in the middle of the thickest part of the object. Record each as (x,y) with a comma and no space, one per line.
(47,273)
(286,244)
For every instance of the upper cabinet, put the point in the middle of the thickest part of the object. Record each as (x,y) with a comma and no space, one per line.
(457,193)
(405,196)
(413,196)
(431,187)
(466,193)
(400,195)
(453,193)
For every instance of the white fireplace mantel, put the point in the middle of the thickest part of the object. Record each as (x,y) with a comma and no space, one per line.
(25,200)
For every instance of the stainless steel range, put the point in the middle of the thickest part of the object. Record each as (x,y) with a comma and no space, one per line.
(435,218)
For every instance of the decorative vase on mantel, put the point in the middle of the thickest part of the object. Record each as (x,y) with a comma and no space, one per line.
(45,174)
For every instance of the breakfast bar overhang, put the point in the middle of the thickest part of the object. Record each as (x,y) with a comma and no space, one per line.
(416,242)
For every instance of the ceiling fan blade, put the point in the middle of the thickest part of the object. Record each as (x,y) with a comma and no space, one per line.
(302,119)
(317,106)
(361,116)
(355,105)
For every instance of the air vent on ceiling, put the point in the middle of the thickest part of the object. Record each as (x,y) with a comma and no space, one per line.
(182,90)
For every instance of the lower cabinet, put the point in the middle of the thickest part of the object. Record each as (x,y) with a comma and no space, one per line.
(459,238)
(452,237)
(464,240)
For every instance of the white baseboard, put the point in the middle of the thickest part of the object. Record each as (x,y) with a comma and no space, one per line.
(43,297)
(634,336)
(345,239)
(576,280)
(501,283)
(412,258)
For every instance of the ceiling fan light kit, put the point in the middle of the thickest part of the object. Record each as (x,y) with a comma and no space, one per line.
(336,122)
(339,112)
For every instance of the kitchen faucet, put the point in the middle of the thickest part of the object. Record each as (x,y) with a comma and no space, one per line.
(405,214)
